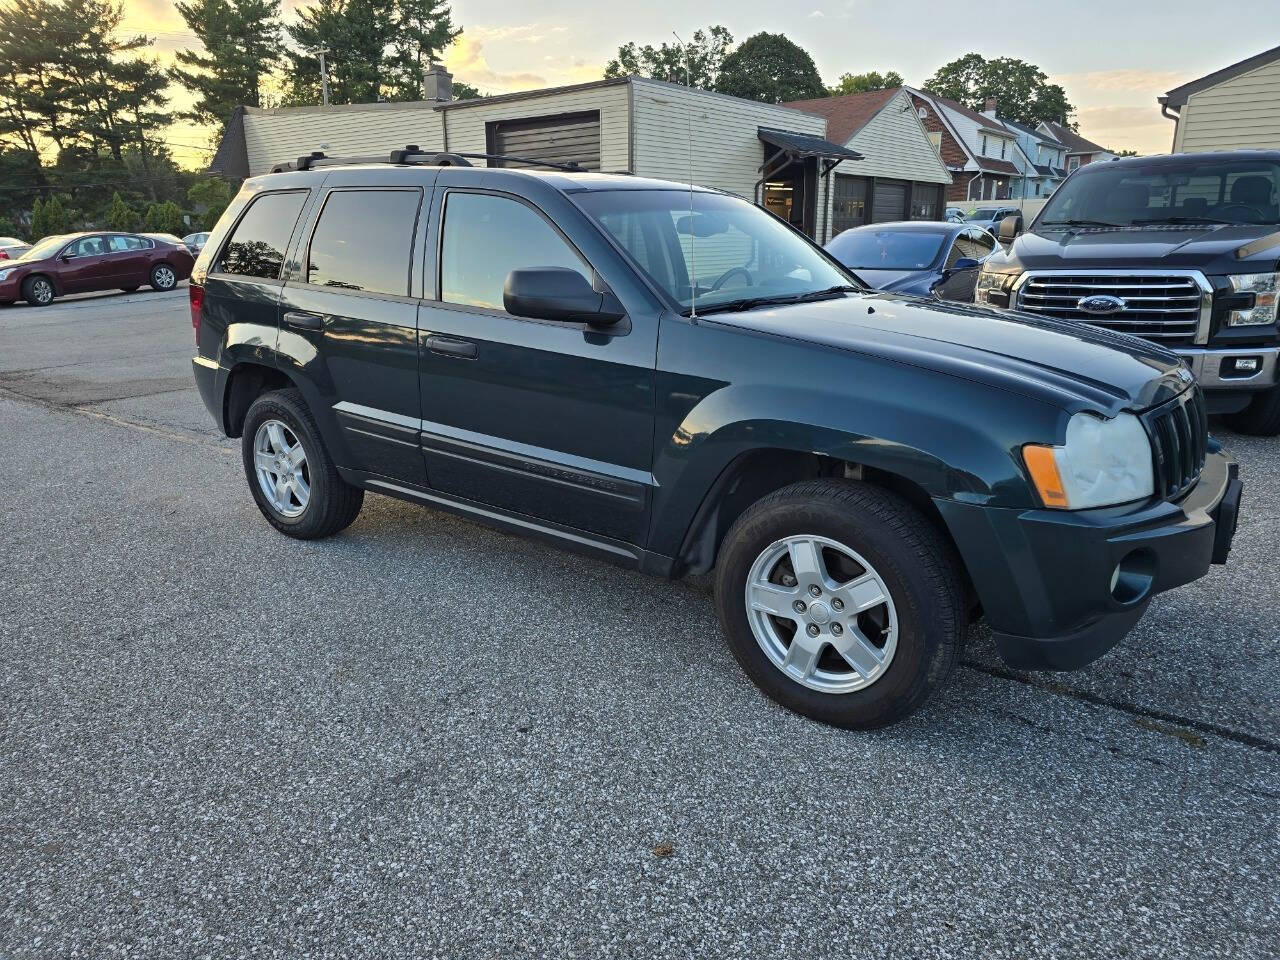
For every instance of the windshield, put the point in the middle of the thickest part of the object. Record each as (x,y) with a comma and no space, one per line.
(44,248)
(1187,190)
(982,213)
(733,250)
(870,249)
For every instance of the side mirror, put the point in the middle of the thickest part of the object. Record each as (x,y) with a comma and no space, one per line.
(558,293)
(1010,227)
(965,263)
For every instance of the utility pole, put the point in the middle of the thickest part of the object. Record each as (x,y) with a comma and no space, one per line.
(324,78)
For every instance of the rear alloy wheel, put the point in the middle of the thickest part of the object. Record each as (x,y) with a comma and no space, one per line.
(38,291)
(290,473)
(841,601)
(163,277)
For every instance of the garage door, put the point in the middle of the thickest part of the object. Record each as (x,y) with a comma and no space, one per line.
(890,201)
(567,138)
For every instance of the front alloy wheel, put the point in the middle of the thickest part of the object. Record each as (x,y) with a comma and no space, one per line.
(821,614)
(281,466)
(39,292)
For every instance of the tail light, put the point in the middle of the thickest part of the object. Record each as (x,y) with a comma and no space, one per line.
(4,254)
(196,295)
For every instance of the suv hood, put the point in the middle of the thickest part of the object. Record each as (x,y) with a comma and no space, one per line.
(1210,248)
(1071,365)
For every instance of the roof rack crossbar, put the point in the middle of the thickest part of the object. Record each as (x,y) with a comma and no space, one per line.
(413,154)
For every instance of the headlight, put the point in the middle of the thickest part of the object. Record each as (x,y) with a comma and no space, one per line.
(990,283)
(1103,462)
(4,274)
(1265,288)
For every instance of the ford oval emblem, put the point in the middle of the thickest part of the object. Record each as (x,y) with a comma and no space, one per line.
(1100,304)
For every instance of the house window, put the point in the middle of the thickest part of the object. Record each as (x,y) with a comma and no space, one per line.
(1072,163)
(1003,146)
(984,144)
(935,137)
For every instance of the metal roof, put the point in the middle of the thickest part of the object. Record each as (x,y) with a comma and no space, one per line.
(806,144)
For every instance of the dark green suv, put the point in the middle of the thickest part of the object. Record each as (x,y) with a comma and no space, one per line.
(674,380)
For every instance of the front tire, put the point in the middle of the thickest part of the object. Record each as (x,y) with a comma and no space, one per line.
(38,291)
(290,473)
(841,601)
(1261,418)
(163,277)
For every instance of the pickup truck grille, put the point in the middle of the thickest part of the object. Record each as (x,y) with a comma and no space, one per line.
(1179,433)
(1160,307)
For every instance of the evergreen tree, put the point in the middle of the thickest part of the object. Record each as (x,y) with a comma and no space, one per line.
(423,28)
(241,46)
(165,218)
(356,34)
(49,217)
(213,194)
(120,216)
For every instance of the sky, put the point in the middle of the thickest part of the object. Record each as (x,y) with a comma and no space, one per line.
(1113,57)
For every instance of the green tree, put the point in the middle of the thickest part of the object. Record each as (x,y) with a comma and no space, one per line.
(1021,90)
(1126,153)
(49,217)
(209,198)
(119,215)
(10,229)
(465,91)
(863,82)
(165,218)
(423,28)
(770,68)
(707,50)
(240,44)
(356,34)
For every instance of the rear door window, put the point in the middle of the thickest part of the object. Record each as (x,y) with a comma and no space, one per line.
(124,244)
(485,238)
(364,241)
(258,243)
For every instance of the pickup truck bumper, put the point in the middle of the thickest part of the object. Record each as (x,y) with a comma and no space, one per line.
(1061,588)
(1234,368)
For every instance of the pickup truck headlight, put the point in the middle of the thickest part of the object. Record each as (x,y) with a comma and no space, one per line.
(989,283)
(1265,288)
(1102,463)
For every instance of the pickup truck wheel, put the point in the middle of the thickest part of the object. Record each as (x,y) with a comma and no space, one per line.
(1261,418)
(290,473)
(841,601)
(163,277)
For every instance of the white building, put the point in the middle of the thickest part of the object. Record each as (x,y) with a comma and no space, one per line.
(779,156)
(1235,108)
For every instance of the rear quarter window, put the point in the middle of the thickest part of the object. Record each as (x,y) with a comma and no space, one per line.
(259,241)
(364,241)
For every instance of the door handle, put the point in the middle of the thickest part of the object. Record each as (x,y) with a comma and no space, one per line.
(304,321)
(452,347)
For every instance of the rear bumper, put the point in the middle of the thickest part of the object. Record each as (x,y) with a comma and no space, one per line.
(211,381)
(1061,588)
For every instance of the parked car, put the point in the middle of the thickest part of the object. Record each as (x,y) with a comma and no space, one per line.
(11,248)
(591,360)
(989,218)
(1182,250)
(921,257)
(195,242)
(954,215)
(80,262)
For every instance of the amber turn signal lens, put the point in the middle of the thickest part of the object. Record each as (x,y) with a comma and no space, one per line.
(1044,474)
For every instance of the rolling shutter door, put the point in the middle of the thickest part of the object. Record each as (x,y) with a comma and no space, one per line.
(890,201)
(568,138)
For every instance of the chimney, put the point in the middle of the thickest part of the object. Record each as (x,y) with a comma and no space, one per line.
(989,108)
(437,84)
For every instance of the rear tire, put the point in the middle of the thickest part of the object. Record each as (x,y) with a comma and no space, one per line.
(878,553)
(313,501)
(38,291)
(163,277)
(1261,418)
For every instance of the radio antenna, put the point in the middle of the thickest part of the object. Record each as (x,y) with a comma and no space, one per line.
(693,254)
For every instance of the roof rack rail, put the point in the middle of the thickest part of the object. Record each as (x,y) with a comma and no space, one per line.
(413,154)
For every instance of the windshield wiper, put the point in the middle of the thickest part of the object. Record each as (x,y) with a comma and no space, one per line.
(1080,223)
(750,303)
(1151,220)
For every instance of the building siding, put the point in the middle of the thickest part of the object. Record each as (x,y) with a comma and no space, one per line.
(273,136)
(895,144)
(1240,113)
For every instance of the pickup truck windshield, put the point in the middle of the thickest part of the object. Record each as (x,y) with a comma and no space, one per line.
(735,252)
(1183,190)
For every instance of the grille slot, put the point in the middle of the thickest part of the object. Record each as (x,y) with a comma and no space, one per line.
(1157,306)
(1179,443)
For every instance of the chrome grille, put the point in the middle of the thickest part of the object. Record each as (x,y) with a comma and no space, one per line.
(1166,308)
(1179,433)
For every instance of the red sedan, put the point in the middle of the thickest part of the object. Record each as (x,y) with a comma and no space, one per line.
(80,262)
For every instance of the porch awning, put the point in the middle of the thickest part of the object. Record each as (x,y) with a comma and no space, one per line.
(806,145)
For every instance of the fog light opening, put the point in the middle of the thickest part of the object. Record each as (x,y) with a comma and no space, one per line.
(1133,576)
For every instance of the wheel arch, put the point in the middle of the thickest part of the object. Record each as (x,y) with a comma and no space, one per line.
(246,381)
(35,274)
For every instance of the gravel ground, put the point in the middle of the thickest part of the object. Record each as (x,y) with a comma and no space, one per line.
(425,738)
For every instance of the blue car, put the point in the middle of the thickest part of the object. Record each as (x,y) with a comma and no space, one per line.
(921,257)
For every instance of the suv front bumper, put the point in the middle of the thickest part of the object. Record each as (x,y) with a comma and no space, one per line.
(1061,588)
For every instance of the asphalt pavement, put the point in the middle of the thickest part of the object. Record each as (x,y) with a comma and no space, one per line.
(425,738)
